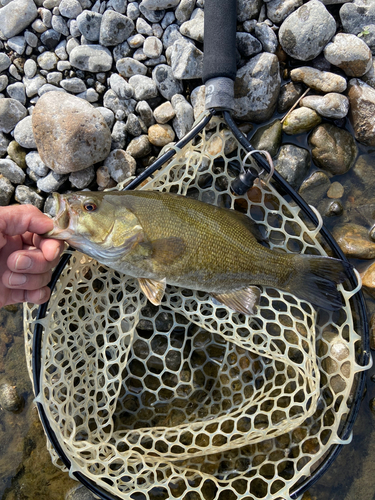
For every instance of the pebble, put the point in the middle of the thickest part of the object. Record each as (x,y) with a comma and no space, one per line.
(354,16)
(6,191)
(32,85)
(144,87)
(16,16)
(10,400)
(143,27)
(194,28)
(115,28)
(354,241)
(159,4)
(145,112)
(27,195)
(165,81)
(88,24)
(164,113)
(128,67)
(120,164)
(152,47)
(362,111)
(186,60)
(119,135)
(51,182)
(79,492)
(135,41)
(268,137)
(315,187)
(17,153)
(304,34)
(121,87)
(4,143)
(35,164)
(278,10)
(93,58)
(369,77)
(184,115)
(301,120)
(331,105)
(30,68)
(11,112)
(12,171)
(23,133)
(70,133)
(160,135)
(336,190)
(248,45)
(17,91)
(133,125)
(74,85)
(333,149)
(47,61)
(349,53)
(323,81)
(83,178)
(70,8)
(51,38)
(3,82)
(139,147)
(293,163)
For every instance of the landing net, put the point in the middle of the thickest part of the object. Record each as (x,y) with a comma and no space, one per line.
(190,400)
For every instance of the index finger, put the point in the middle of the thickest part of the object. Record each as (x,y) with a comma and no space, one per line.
(18,219)
(50,248)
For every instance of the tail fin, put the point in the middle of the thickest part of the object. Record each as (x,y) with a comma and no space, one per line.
(315,280)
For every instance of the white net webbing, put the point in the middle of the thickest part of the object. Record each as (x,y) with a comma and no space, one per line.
(190,400)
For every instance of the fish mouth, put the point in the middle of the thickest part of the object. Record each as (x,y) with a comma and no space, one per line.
(62,220)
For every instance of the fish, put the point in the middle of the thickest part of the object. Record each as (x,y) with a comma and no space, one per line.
(162,238)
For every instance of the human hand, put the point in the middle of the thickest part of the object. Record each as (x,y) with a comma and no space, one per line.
(26,260)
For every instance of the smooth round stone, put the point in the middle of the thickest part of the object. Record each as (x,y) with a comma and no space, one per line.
(132,11)
(331,105)
(4,61)
(35,164)
(93,58)
(362,111)
(171,35)
(6,191)
(186,60)
(194,28)
(89,24)
(159,4)
(60,26)
(139,147)
(182,12)
(301,120)
(103,178)
(143,27)
(198,100)
(83,178)
(10,170)
(50,38)
(115,28)
(136,41)
(119,85)
(10,400)
(184,119)
(349,53)
(108,115)
(279,10)
(70,8)
(145,112)
(314,188)
(128,67)
(144,87)
(117,5)
(268,138)
(166,83)
(33,85)
(71,44)
(121,165)
(23,133)
(11,112)
(17,91)
(4,143)
(51,182)
(115,104)
(323,81)
(304,34)
(48,88)
(30,68)
(293,163)
(336,190)
(267,37)
(89,95)
(73,85)
(160,135)
(152,47)
(354,241)
(16,16)
(70,133)
(27,195)
(31,39)
(47,61)
(164,113)
(18,44)
(3,82)
(54,78)
(17,153)
(355,16)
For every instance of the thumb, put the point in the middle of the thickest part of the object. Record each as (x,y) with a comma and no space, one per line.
(19,219)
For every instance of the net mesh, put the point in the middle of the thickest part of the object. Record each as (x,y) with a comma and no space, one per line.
(190,400)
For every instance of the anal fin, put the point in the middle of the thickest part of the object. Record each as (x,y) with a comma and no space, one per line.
(244,301)
(154,290)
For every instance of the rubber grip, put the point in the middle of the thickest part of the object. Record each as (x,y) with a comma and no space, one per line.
(220,23)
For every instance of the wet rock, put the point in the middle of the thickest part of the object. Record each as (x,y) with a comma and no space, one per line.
(115,28)
(256,88)
(16,16)
(368,282)
(333,149)
(362,111)
(6,191)
(27,195)
(324,81)
(139,147)
(314,188)
(278,10)
(301,120)
(268,138)
(330,208)
(11,112)
(354,241)
(194,27)
(70,133)
(128,67)
(93,58)
(349,53)
(12,171)
(79,492)
(336,190)
(304,33)
(165,81)
(160,135)
(293,163)
(10,400)
(186,60)
(184,115)
(289,95)
(331,105)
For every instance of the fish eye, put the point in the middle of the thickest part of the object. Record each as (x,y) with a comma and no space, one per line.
(90,206)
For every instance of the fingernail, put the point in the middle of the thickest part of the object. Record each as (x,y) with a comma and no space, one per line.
(17,279)
(23,262)
(57,253)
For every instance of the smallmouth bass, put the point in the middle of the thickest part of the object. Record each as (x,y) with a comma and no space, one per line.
(163,238)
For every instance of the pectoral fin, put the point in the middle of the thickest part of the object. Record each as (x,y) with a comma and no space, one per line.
(244,301)
(154,290)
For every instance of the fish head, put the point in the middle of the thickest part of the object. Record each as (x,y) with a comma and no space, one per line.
(95,223)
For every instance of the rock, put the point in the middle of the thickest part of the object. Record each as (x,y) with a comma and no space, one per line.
(73,85)
(184,115)
(336,190)
(171,35)
(165,82)
(369,77)
(139,147)
(304,34)
(368,282)
(159,4)
(333,149)
(11,112)
(256,88)
(120,164)
(293,163)
(29,68)
(10,170)
(349,53)
(35,164)
(70,8)
(118,135)
(103,179)
(89,25)
(186,60)
(128,67)
(17,91)
(152,47)
(164,113)
(133,125)
(198,100)
(267,37)
(301,120)
(26,195)
(93,58)
(184,11)
(70,133)
(289,95)
(354,241)
(83,178)
(115,28)
(145,112)
(248,45)
(4,143)
(314,188)
(33,85)
(47,60)
(331,105)
(144,87)
(354,16)
(16,16)
(362,111)
(5,62)
(51,182)
(121,87)
(248,9)
(51,38)
(160,135)
(10,400)
(151,15)
(278,10)
(323,81)
(17,153)
(194,28)
(331,208)
(268,137)
(143,27)
(6,191)
(80,492)
(23,133)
